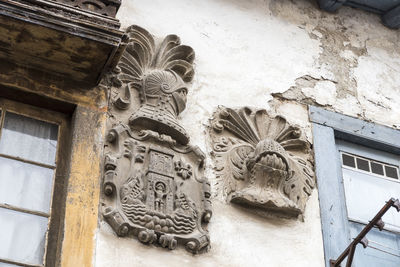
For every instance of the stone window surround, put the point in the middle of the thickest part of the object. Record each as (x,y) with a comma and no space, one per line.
(326,127)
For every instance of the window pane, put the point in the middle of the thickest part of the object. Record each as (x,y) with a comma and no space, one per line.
(348,160)
(362,164)
(29,138)
(23,236)
(377,168)
(8,265)
(391,172)
(25,185)
(365,196)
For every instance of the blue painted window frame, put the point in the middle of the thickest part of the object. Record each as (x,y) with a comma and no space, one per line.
(326,127)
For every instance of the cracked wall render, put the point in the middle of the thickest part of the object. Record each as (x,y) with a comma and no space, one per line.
(358,55)
(278,55)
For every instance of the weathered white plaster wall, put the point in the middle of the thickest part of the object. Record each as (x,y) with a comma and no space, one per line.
(278,55)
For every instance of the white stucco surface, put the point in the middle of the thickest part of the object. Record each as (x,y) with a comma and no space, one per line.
(238,238)
(238,45)
(247,52)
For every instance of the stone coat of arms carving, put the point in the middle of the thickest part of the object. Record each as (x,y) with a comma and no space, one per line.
(154,184)
(261,161)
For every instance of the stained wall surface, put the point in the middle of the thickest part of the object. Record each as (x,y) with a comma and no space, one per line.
(277,55)
(81,156)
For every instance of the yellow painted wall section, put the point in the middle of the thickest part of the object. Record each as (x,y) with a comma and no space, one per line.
(84,177)
(82,202)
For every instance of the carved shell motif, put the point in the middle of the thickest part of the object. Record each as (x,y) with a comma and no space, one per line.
(261,161)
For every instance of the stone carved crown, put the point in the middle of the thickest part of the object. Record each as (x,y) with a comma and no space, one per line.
(261,161)
(160,74)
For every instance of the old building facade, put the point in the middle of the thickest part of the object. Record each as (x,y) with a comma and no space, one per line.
(201,133)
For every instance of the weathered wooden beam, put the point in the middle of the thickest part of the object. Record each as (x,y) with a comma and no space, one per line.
(61,40)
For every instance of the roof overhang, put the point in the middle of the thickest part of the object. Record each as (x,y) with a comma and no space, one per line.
(389,10)
(59,39)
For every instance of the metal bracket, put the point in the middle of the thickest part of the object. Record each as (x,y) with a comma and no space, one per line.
(360,238)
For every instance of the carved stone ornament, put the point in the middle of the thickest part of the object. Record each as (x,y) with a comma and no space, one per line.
(154,184)
(103,7)
(261,161)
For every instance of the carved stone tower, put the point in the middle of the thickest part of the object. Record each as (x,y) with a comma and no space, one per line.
(154,184)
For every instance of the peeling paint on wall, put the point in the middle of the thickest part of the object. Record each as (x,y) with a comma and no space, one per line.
(355,51)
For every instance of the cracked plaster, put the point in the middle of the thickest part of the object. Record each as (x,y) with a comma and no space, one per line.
(359,55)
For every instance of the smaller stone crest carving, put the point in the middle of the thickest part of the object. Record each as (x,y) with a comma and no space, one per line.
(261,161)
